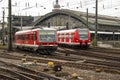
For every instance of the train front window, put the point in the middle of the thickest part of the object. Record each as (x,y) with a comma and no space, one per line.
(83,34)
(47,36)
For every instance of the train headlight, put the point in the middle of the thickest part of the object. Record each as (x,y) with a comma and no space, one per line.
(76,40)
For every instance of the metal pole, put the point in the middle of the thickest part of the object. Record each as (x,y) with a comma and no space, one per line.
(67,25)
(113,35)
(9,27)
(21,22)
(113,38)
(96,22)
(69,22)
(87,18)
(3,32)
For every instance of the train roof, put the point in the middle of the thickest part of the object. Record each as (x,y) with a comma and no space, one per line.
(36,29)
(24,31)
(44,28)
(72,30)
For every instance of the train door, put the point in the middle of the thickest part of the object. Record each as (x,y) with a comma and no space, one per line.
(67,37)
(34,38)
(64,37)
(60,38)
(70,37)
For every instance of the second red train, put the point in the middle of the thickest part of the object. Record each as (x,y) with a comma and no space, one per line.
(75,38)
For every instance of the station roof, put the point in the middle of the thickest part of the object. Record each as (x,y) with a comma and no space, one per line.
(102,19)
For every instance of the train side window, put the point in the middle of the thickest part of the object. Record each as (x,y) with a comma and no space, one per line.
(34,36)
(16,37)
(20,37)
(23,37)
(31,36)
(27,37)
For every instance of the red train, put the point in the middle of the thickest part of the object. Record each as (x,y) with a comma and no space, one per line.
(79,37)
(42,40)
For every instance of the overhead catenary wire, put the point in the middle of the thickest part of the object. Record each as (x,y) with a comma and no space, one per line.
(21,6)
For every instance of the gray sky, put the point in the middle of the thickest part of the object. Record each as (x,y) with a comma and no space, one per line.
(41,7)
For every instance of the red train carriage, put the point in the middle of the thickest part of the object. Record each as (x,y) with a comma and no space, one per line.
(74,37)
(42,40)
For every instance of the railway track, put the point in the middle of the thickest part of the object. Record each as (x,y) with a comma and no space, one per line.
(91,64)
(79,58)
(5,77)
(105,50)
(88,53)
(17,72)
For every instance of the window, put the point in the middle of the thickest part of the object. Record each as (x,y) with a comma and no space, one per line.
(47,36)
(83,34)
